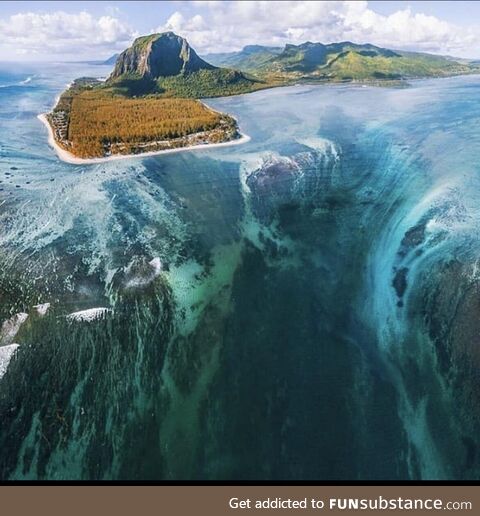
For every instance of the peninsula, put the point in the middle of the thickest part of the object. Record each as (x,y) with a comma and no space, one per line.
(149,104)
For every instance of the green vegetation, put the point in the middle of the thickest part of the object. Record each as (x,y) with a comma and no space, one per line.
(131,85)
(218,82)
(146,103)
(340,62)
(143,41)
(354,65)
(165,64)
(92,119)
(250,59)
(208,83)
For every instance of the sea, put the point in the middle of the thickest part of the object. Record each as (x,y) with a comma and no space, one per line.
(304,306)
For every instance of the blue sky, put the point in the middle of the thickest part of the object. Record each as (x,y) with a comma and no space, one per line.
(54,30)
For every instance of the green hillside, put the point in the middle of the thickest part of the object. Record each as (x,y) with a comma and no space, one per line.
(165,64)
(208,83)
(343,61)
(249,59)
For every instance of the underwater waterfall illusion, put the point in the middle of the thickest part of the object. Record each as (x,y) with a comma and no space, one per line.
(303,306)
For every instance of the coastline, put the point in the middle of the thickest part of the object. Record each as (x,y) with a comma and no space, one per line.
(68,157)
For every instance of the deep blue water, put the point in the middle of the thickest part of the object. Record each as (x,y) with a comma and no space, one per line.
(302,306)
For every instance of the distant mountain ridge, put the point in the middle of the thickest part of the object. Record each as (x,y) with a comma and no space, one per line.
(308,56)
(341,61)
(165,63)
(249,58)
(111,60)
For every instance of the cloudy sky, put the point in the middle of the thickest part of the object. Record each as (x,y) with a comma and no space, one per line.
(95,30)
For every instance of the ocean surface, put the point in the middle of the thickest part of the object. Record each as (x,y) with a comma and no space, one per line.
(303,306)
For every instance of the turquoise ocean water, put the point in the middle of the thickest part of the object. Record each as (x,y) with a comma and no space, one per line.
(302,306)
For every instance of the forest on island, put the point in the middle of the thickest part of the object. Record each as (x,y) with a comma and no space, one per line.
(97,122)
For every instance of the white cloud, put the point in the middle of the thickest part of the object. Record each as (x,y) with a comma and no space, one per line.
(230,25)
(63,33)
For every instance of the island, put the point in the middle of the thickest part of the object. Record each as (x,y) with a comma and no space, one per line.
(150,102)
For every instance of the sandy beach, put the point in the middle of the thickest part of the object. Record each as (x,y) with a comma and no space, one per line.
(68,157)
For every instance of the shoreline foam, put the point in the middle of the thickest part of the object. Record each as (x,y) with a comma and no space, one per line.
(68,157)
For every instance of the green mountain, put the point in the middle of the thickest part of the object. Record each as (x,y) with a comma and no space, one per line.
(249,59)
(310,57)
(342,61)
(166,64)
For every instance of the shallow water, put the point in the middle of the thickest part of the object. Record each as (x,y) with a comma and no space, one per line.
(303,306)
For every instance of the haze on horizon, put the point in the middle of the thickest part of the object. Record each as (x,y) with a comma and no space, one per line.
(56,31)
